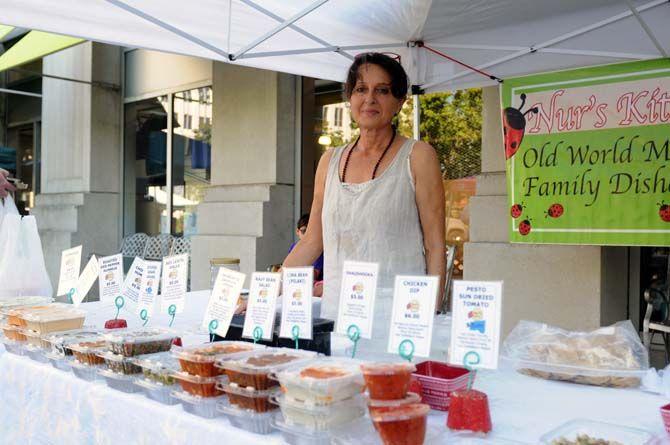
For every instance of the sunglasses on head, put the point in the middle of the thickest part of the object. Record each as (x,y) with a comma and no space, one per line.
(393,56)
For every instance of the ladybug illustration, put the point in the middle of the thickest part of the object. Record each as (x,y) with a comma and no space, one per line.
(516,210)
(664,212)
(524,227)
(555,210)
(514,125)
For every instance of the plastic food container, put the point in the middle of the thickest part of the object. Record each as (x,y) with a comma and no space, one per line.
(120,382)
(438,380)
(158,367)
(665,415)
(58,361)
(469,411)
(259,423)
(14,333)
(387,381)
(84,371)
(401,425)
(248,398)
(133,342)
(319,417)
(87,352)
(13,346)
(58,341)
(200,360)
(569,431)
(157,391)
(199,406)
(15,316)
(44,322)
(380,405)
(35,353)
(17,302)
(298,435)
(32,338)
(322,381)
(252,371)
(197,385)
(120,364)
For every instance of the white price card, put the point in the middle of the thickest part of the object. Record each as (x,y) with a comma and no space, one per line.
(223,301)
(110,279)
(475,325)
(296,311)
(174,283)
(70,262)
(149,288)
(260,318)
(132,285)
(412,316)
(357,298)
(86,280)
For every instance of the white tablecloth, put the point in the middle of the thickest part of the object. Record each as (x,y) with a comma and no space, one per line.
(42,405)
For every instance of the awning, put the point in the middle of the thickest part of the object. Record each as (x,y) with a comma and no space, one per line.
(33,46)
(439,41)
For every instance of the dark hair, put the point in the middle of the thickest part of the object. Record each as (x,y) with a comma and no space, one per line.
(399,79)
(302,222)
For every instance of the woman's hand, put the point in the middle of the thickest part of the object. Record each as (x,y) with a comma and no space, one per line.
(5,185)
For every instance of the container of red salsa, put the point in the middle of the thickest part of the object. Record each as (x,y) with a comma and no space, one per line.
(401,425)
(387,381)
(469,410)
(376,406)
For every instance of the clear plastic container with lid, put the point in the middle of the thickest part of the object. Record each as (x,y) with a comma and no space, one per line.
(158,367)
(120,364)
(403,424)
(381,405)
(253,370)
(48,321)
(58,361)
(322,381)
(120,382)
(319,417)
(35,353)
(259,423)
(57,342)
(15,316)
(84,371)
(197,385)
(17,302)
(248,398)
(205,407)
(571,431)
(33,338)
(387,381)
(133,342)
(200,359)
(14,333)
(87,352)
(13,346)
(157,391)
(298,435)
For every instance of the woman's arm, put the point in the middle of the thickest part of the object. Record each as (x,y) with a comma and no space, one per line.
(310,246)
(427,176)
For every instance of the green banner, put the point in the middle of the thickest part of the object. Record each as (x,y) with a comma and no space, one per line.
(588,155)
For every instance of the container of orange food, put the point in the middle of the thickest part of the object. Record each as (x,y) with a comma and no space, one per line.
(387,381)
(402,424)
(200,360)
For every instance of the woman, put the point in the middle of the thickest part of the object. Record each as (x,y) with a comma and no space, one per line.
(380,199)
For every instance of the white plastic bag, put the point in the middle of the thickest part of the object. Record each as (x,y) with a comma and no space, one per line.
(7,207)
(22,268)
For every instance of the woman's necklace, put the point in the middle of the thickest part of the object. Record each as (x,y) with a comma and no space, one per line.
(374,172)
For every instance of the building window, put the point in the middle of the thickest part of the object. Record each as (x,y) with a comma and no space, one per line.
(337,122)
(188,121)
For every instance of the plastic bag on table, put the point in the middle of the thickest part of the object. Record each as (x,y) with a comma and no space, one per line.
(611,356)
(7,207)
(22,268)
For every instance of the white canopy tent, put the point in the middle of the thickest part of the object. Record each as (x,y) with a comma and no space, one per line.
(319,38)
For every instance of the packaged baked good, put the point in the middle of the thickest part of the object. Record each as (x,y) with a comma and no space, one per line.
(133,342)
(387,381)
(200,359)
(612,356)
(251,371)
(87,352)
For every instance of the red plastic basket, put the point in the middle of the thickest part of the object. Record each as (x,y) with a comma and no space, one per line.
(665,415)
(438,380)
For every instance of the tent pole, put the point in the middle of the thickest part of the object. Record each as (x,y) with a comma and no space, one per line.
(294,27)
(646,28)
(416,114)
(551,42)
(285,24)
(586,52)
(19,92)
(321,50)
(167,26)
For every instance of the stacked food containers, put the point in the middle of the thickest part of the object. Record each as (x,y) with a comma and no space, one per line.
(318,396)
(56,345)
(157,379)
(199,376)
(396,414)
(250,389)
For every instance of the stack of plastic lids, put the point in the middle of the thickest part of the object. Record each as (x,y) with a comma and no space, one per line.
(250,389)
(318,397)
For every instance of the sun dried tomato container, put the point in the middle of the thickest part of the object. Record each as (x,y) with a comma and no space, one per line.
(252,370)
(248,398)
(198,385)
(438,380)
(401,425)
(387,381)
(200,360)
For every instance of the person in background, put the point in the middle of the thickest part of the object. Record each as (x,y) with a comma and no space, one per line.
(301,229)
(6,186)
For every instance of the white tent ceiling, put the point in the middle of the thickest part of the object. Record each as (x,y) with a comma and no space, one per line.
(319,38)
